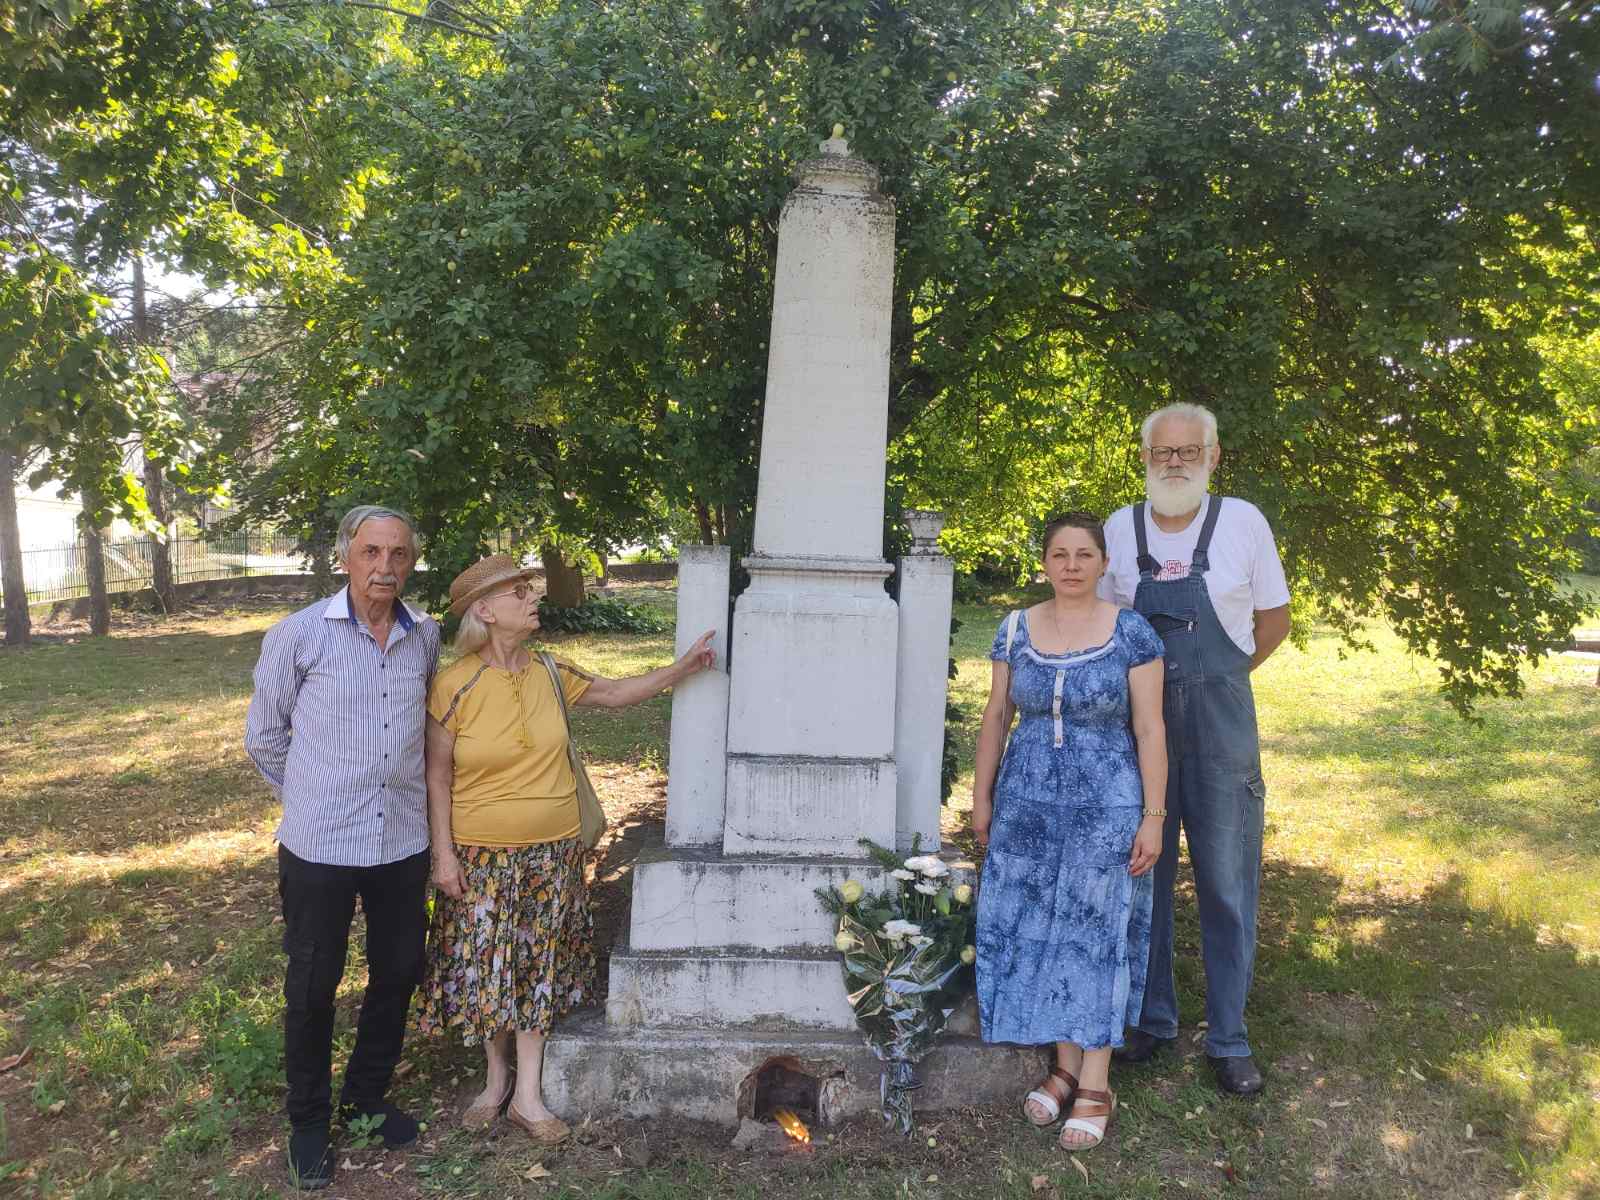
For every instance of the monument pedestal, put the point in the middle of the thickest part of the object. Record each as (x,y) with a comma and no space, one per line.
(593,1066)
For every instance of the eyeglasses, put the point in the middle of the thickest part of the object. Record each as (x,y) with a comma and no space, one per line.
(520,592)
(1189,453)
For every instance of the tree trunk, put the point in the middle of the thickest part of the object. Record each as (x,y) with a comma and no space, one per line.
(19,629)
(319,553)
(702,514)
(161,547)
(154,483)
(94,569)
(600,552)
(563,583)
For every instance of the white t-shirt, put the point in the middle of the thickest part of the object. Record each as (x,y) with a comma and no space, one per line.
(1244,575)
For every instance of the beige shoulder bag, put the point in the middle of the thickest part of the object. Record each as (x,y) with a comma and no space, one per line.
(591,817)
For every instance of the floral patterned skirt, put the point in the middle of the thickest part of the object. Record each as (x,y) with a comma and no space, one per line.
(517,950)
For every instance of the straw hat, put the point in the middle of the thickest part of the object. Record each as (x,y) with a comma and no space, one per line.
(482,577)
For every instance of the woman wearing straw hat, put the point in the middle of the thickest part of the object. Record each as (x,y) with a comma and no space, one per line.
(511,945)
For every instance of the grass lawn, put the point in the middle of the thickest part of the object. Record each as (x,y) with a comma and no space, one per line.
(1427,998)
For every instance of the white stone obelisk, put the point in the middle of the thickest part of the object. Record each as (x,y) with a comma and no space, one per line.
(729,964)
(812,704)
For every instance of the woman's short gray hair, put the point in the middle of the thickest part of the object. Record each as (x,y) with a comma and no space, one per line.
(360,515)
(1189,412)
(472,634)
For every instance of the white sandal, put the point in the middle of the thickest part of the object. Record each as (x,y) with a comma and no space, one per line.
(1046,1098)
(1103,1104)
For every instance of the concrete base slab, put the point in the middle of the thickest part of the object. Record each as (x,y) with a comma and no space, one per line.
(594,1068)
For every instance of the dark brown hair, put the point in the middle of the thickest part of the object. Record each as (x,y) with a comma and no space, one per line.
(1086,521)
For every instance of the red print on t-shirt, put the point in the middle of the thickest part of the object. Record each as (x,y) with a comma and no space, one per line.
(1172,569)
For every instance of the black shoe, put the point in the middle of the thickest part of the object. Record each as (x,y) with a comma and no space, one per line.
(393,1126)
(1140,1047)
(310,1158)
(1238,1075)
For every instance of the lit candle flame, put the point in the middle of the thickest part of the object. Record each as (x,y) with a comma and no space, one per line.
(792,1125)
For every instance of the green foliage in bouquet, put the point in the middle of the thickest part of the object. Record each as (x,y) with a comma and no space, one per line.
(907,954)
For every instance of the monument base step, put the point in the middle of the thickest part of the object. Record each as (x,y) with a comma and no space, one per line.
(728,988)
(688,899)
(592,1068)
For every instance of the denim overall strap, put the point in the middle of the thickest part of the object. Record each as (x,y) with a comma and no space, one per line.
(1201,562)
(1147,565)
(1214,791)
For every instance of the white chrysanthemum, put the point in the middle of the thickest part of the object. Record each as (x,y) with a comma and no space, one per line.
(928,889)
(899,874)
(920,942)
(897,929)
(928,864)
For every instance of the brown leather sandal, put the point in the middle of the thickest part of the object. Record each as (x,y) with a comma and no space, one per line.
(1092,1104)
(1050,1096)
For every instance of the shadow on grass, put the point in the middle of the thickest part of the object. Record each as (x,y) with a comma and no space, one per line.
(178,667)
(1496,1015)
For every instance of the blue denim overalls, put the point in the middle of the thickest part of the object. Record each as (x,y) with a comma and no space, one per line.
(1214,788)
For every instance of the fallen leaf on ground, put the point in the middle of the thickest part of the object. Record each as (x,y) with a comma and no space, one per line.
(402,1069)
(1039,1182)
(537,1171)
(1318,1123)
(14,1061)
(55,1109)
(1082,1170)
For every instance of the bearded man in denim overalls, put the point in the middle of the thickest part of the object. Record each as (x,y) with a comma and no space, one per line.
(1204,571)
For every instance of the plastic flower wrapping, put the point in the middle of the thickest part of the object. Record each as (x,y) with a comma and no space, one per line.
(907,957)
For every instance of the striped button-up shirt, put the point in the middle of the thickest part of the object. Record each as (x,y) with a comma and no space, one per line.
(336,727)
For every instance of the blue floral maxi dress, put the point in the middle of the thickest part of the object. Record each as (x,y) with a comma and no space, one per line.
(1063,929)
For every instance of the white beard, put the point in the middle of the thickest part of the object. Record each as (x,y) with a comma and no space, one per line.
(1176,497)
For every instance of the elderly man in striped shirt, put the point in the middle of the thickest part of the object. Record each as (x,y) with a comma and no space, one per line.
(336,727)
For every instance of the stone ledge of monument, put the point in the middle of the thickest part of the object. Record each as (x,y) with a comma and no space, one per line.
(804,953)
(711,854)
(840,563)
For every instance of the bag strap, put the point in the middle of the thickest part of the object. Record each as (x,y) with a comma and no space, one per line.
(561,693)
(1011,630)
(574,759)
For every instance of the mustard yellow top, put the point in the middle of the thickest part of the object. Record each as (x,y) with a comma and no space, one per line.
(513,785)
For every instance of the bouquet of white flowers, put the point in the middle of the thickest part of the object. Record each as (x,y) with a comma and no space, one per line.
(907,963)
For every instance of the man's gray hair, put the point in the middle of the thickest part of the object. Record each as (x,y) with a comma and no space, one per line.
(360,515)
(1189,412)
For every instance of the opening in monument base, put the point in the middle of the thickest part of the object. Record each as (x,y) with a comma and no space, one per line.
(785,1083)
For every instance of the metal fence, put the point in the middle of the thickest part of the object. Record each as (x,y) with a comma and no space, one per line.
(57,572)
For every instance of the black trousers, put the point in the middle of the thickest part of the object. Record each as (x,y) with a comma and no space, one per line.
(319,902)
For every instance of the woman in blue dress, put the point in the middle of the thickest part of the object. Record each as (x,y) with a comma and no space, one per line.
(1064,906)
